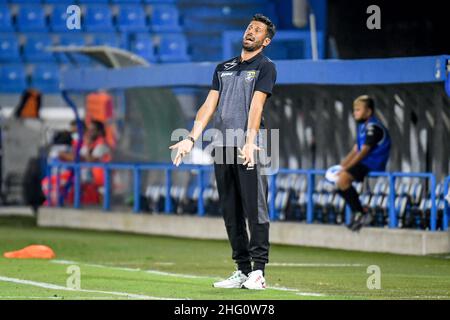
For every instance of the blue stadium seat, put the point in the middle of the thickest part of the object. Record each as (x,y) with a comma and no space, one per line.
(415,193)
(338,203)
(12,78)
(165,18)
(380,187)
(98,18)
(79,64)
(92,1)
(173,48)
(280,201)
(321,186)
(24,1)
(401,205)
(225,11)
(109,39)
(76,39)
(358,186)
(9,48)
(143,46)
(31,18)
(401,188)
(158,1)
(198,25)
(67,39)
(5,18)
(439,191)
(365,200)
(223,2)
(58,19)
(299,184)
(60,2)
(131,18)
(45,77)
(126,1)
(35,48)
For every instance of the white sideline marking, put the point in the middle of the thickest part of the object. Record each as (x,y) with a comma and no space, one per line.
(180,275)
(132,269)
(57,287)
(117,268)
(94,265)
(296,291)
(164,263)
(317,265)
(310,294)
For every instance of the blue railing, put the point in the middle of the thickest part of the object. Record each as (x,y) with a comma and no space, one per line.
(137,168)
(446,202)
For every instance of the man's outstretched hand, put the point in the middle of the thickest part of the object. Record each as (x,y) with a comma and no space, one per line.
(248,153)
(183,148)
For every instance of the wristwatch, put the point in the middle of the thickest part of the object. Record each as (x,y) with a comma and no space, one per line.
(191,139)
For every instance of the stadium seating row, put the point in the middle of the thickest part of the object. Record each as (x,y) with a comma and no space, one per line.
(90,1)
(153,47)
(96,17)
(17,77)
(45,77)
(215,2)
(205,20)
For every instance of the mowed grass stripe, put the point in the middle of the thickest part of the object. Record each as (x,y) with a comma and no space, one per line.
(61,288)
(189,276)
(109,279)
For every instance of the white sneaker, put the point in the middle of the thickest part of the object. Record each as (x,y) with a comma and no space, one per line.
(235,281)
(255,281)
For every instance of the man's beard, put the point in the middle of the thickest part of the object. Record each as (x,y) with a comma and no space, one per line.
(252,47)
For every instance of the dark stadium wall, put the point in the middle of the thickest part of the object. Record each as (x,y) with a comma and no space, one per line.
(408,28)
(152,114)
(285,10)
(317,129)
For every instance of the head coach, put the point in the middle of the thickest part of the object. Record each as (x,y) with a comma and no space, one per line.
(239,91)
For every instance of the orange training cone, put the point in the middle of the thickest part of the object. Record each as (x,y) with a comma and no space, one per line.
(31,252)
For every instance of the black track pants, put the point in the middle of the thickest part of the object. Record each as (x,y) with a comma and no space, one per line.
(243,194)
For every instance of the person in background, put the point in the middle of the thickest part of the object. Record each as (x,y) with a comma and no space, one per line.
(96,149)
(370,153)
(70,155)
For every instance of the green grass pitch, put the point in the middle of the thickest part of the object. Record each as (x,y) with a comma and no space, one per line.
(129,266)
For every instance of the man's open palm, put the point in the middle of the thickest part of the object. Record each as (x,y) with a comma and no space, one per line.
(248,154)
(183,148)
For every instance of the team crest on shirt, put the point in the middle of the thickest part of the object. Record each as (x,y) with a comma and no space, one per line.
(250,76)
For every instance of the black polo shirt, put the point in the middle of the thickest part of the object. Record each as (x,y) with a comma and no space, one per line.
(237,81)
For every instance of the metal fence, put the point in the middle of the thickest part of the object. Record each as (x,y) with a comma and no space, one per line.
(201,170)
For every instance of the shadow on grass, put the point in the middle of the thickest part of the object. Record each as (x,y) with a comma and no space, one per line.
(18,221)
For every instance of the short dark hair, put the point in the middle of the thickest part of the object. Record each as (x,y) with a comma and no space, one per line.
(62,137)
(270,26)
(100,127)
(368,102)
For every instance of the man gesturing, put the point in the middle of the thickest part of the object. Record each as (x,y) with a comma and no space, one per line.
(239,91)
